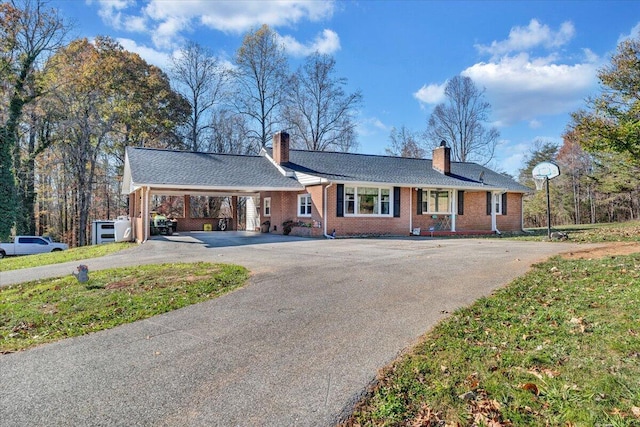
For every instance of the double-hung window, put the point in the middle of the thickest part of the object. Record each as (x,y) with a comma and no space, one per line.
(304,205)
(267,206)
(367,201)
(497,203)
(436,201)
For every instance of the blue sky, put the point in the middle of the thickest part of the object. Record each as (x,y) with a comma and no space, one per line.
(537,60)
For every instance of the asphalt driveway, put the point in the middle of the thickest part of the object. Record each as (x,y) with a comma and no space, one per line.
(295,347)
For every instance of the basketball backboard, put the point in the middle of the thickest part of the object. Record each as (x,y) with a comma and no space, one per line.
(546,170)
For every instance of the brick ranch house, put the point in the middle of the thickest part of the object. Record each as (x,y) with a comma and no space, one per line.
(329,193)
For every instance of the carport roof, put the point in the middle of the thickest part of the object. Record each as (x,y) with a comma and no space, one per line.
(170,169)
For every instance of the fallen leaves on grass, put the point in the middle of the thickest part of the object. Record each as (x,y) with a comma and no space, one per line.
(531,387)
(426,417)
(486,411)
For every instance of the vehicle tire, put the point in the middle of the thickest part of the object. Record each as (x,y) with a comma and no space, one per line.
(56,250)
(169,231)
(2,254)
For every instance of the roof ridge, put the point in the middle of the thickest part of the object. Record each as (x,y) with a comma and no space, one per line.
(172,150)
(357,154)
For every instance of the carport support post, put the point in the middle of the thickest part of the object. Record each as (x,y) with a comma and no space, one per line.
(234,210)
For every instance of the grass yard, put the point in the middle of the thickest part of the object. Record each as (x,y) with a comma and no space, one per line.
(559,346)
(73,254)
(48,310)
(590,233)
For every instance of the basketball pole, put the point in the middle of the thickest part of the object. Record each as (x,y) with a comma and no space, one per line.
(548,209)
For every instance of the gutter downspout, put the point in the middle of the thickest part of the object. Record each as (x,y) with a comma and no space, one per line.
(328,236)
(454,209)
(410,211)
(145,221)
(494,226)
(522,212)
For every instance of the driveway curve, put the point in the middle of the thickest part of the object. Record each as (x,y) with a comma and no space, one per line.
(295,347)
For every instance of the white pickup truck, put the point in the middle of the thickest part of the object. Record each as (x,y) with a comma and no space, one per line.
(29,245)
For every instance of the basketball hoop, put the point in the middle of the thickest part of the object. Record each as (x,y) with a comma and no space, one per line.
(542,173)
(545,170)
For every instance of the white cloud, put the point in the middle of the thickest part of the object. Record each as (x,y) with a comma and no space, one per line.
(240,16)
(149,54)
(371,126)
(111,11)
(167,20)
(521,88)
(326,43)
(529,37)
(535,124)
(431,94)
(633,34)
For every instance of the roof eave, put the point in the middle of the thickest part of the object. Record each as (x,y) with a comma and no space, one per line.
(223,188)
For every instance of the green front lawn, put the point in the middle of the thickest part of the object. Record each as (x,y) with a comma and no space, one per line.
(58,257)
(590,233)
(48,310)
(559,346)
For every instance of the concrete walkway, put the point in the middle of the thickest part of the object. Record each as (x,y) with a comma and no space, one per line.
(295,347)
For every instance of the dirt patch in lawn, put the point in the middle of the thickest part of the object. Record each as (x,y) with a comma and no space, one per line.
(605,250)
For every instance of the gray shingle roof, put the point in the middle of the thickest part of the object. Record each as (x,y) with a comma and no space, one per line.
(191,169)
(350,167)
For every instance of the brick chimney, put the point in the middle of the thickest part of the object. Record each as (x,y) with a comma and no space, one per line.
(281,147)
(442,158)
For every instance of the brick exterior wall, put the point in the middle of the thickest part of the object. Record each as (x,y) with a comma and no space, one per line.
(475,216)
(368,225)
(512,221)
(284,207)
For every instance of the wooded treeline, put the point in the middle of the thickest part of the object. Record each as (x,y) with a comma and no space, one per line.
(599,159)
(69,109)
(592,187)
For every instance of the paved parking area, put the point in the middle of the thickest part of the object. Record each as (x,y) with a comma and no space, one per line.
(295,347)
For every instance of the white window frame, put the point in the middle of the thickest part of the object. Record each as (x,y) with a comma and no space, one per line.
(378,207)
(306,199)
(266,206)
(426,198)
(497,203)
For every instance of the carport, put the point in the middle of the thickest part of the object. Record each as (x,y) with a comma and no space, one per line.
(149,172)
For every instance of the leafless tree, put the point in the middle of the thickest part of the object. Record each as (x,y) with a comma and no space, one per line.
(405,143)
(201,78)
(460,121)
(229,133)
(319,113)
(260,77)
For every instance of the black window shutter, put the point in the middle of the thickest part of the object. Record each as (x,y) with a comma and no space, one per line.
(396,202)
(489,201)
(504,203)
(340,200)
(460,202)
(419,209)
